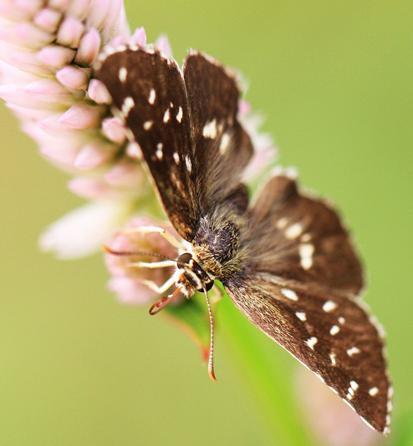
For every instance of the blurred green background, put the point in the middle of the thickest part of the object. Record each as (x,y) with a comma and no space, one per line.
(335,82)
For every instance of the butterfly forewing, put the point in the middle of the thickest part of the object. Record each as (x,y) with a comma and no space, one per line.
(222,147)
(299,237)
(330,334)
(149,91)
(186,125)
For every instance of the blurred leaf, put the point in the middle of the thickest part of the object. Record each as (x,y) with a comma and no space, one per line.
(265,372)
(191,317)
(403,429)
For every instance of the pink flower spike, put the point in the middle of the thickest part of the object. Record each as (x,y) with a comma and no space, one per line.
(126,278)
(244,107)
(73,78)
(28,6)
(89,188)
(23,60)
(139,37)
(125,174)
(64,157)
(55,56)
(164,46)
(117,41)
(88,48)
(28,113)
(70,32)
(31,36)
(61,5)
(98,92)
(45,87)
(81,117)
(130,291)
(21,97)
(93,155)
(134,151)
(48,19)
(82,231)
(114,130)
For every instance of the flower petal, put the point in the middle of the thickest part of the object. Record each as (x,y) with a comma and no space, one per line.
(82,231)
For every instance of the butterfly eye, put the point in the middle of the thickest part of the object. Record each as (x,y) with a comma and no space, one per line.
(184,260)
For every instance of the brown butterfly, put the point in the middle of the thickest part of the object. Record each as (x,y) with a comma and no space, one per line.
(285,260)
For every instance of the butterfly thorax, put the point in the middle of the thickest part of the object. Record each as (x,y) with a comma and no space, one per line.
(216,245)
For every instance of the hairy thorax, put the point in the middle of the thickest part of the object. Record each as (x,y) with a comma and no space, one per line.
(216,245)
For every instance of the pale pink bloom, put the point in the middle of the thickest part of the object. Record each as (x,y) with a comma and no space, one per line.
(332,421)
(84,230)
(265,151)
(47,52)
(127,279)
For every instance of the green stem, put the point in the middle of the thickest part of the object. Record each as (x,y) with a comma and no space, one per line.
(267,376)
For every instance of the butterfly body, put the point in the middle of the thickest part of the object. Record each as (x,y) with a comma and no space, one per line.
(285,259)
(217,243)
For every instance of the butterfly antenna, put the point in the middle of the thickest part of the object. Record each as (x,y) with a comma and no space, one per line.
(211,368)
(114,252)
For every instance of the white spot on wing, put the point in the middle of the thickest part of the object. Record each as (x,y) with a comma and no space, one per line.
(225,140)
(210,129)
(289,294)
(152,96)
(311,342)
(282,223)
(333,358)
(176,158)
(147,125)
(301,315)
(329,306)
(166,116)
(127,105)
(294,231)
(122,74)
(334,330)
(159,151)
(180,115)
(341,320)
(306,251)
(353,351)
(373,391)
(188,163)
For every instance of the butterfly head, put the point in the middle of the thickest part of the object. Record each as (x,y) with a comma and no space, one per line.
(193,277)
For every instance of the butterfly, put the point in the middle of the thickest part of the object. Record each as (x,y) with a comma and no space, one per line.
(285,259)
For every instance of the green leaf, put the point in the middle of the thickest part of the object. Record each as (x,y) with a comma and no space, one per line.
(403,430)
(192,318)
(262,363)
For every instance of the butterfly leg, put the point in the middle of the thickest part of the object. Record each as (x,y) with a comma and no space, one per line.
(153,265)
(157,230)
(163,302)
(162,288)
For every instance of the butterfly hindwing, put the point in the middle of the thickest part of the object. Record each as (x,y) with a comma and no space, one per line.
(299,237)
(330,334)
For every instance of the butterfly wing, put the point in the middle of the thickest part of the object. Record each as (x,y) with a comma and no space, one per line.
(223,148)
(186,128)
(299,283)
(149,91)
(298,237)
(330,334)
